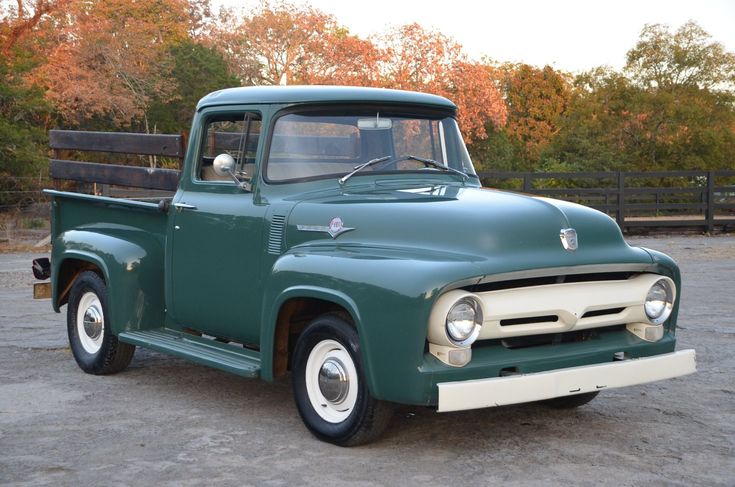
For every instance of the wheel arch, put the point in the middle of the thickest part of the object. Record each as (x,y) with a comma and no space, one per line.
(68,268)
(292,310)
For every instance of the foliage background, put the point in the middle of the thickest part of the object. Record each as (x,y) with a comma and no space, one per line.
(142,65)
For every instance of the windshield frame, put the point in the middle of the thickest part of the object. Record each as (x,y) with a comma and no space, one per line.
(392,110)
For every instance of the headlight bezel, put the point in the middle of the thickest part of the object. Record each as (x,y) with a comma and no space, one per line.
(668,289)
(467,338)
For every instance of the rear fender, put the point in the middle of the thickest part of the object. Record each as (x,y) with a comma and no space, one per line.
(131,268)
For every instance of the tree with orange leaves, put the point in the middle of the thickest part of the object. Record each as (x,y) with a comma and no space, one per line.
(22,19)
(273,44)
(284,43)
(109,58)
(24,114)
(339,58)
(424,60)
(287,44)
(537,99)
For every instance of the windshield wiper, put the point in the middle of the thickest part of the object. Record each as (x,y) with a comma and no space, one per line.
(438,165)
(427,162)
(359,168)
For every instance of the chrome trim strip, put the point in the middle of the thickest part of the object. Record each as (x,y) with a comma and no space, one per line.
(566,270)
(324,229)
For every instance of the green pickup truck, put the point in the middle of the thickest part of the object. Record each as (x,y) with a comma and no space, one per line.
(341,235)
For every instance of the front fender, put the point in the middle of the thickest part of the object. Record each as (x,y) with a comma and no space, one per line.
(389,294)
(132,266)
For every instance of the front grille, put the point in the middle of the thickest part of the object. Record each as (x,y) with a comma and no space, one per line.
(547,280)
(529,341)
(530,319)
(603,312)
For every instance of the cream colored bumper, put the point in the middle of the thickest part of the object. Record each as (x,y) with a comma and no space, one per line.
(499,391)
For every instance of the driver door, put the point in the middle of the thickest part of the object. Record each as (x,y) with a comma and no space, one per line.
(217,237)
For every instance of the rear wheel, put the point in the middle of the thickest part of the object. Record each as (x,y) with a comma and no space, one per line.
(95,349)
(570,402)
(329,385)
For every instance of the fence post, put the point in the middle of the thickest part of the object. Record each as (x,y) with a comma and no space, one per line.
(526,182)
(620,216)
(710,210)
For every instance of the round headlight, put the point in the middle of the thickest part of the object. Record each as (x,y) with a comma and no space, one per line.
(463,321)
(659,302)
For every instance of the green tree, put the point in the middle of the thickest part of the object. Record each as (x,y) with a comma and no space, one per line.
(685,112)
(592,134)
(23,112)
(687,57)
(672,108)
(495,153)
(197,70)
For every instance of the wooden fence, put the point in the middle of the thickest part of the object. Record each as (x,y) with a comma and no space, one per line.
(697,199)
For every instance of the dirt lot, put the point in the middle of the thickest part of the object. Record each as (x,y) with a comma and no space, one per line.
(166,422)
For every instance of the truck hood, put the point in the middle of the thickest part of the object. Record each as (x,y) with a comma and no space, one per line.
(510,230)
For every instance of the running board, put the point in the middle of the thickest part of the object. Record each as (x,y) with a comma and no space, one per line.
(229,358)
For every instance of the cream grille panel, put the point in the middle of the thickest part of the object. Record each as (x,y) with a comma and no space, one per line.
(568,301)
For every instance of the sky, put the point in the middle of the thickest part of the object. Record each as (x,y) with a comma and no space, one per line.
(570,35)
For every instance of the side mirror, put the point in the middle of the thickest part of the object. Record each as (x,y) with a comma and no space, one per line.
(223,165)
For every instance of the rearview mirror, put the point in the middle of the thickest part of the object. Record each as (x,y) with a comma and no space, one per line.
(374,123)
(223,165)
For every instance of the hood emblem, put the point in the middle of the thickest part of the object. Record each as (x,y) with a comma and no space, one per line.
(569,239)
(335,228)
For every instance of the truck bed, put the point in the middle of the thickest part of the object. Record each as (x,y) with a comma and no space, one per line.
(76,210)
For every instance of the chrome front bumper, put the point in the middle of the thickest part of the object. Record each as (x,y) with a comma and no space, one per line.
(500,391)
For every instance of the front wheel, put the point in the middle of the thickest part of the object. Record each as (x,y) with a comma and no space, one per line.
(95,349)
(329,385)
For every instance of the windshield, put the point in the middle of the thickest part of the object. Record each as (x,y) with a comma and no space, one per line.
(321,145)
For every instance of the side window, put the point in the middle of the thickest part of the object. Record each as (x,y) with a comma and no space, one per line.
(235,134)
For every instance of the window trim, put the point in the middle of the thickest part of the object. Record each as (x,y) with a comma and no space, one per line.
(199,156)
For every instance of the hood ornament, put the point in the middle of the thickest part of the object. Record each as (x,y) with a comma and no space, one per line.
(569,239)
(334,229)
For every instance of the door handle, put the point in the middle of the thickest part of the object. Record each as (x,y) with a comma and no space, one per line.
(184,206)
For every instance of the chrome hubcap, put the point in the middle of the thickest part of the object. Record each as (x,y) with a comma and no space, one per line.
(90,323)
(334,382)
(93,322)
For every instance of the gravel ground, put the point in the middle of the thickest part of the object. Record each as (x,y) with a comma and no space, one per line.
(167,422)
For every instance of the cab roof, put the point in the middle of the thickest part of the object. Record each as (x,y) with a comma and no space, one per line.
(321,94)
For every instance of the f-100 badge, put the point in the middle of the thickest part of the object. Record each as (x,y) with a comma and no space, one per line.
(334,229)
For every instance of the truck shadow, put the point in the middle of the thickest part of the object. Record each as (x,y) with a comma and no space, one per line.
(249,403)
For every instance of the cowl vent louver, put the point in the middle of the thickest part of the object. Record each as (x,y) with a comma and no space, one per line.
(275,237)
